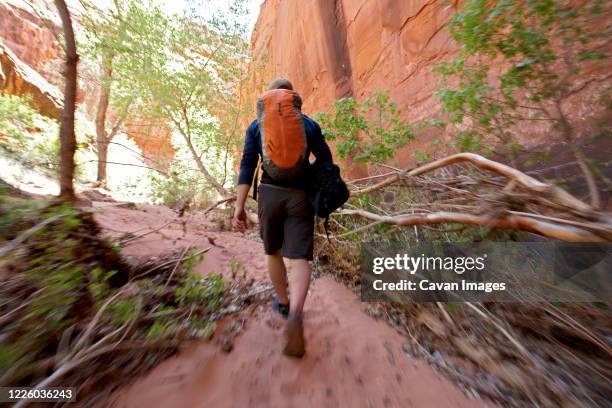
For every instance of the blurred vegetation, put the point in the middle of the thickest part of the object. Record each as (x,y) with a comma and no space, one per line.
(26,136)
(69,300)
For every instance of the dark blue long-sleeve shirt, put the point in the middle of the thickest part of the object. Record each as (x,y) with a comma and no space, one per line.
(252,151)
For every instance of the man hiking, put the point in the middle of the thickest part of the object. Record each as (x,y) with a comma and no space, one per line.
(284,138)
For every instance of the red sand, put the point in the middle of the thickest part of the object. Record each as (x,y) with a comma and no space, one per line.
(352,360)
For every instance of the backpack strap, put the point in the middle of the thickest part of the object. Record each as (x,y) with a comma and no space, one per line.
(255,180)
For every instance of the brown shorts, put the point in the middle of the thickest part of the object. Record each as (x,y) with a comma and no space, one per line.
(286,221)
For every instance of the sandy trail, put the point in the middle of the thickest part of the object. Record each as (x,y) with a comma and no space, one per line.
(352,360)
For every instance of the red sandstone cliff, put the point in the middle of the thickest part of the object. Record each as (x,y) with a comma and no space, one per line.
(27,46)
(337,48)
(30,34)
(17,78)
(31,57)
(332,49)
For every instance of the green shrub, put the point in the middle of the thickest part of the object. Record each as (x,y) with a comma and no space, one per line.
(370,131)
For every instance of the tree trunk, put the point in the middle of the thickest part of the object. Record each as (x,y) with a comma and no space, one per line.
(209,178)
(102,147)
(186,133)
(102,138)
(67,135)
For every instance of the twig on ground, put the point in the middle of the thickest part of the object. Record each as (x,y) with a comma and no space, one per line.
(179,260)
(130,239)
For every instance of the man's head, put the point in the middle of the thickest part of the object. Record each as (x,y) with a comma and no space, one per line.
(280,83)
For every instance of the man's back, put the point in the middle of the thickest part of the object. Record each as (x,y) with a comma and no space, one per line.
(253,151)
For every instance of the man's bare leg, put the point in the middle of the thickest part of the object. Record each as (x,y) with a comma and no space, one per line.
(298,284)
(278,276)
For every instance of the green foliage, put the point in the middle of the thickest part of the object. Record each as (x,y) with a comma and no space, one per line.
(184,182)
(235,266)
(183,185)
(421,156)
(50,262)
(27,136)
(99,283)
(540,45)
(32,140)
(178,69)
(370,131)
(62,275)
(196,290)
(122,311)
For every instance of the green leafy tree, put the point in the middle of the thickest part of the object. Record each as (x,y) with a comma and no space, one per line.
(183,185)
(542,47)
(370,131)
(103,29)
(183,69)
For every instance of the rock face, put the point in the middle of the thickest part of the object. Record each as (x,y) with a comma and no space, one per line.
(27,48)
(30,36)
(30,57)
(338,48)
(331,49)
(17,78)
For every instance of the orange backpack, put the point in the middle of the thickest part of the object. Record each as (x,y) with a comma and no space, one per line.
(283,137)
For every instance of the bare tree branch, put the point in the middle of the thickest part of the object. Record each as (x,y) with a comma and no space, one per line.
(521,178)
(561,232)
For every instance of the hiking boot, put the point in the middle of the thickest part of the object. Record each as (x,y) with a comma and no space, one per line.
(294,336)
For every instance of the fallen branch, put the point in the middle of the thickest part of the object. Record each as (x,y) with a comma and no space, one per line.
(90,328)
(604,230)
(521,178)
(165,264)
(561,232)
(354,231)
(218,203)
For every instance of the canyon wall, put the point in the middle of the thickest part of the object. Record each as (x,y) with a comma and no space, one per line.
(30,35)
(31,63)
(331,49)
(340,48)
(27,47)
(17,78)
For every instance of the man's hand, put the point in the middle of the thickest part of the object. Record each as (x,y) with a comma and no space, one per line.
(239,221)
(240,217)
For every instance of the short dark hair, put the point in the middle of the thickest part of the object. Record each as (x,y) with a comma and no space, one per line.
(280,83)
